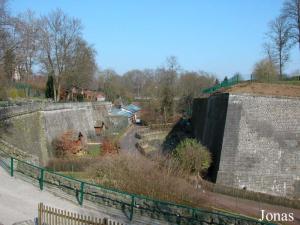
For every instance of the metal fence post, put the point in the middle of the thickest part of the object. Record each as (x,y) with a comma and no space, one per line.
(41,179)
(131,208)
(11,166)
(81,193)
(193,213)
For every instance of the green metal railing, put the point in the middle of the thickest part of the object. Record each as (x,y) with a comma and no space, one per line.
(130,204)
(226,83)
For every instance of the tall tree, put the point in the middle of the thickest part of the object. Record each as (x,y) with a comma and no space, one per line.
(168,77)
(58,38)
(5,46)
(279,45)
(82,66)
(111,84)
(135,81)
(189,87)
(5,30)
(9,64)
(27,34)
(291,11)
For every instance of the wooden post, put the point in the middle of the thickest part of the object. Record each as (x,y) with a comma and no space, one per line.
(105,221)
(40,209)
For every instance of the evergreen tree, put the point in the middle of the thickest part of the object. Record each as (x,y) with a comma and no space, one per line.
(49,93)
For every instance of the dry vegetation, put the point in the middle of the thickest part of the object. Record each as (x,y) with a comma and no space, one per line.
(160,178)
(266,89)
(69,143)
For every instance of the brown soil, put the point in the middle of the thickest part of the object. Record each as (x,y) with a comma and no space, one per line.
(265,89)
(248,207)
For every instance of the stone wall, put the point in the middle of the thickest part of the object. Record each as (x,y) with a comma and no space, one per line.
(256,138)
(26,132)
(261,145)
(208,122)
(33,127)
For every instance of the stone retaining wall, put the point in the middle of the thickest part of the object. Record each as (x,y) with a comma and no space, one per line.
(33,127)
(255,141)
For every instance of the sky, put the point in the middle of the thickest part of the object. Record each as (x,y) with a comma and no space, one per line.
(218,36)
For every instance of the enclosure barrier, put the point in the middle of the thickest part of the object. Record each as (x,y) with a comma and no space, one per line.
(226,83)
(52,216)
(129,204)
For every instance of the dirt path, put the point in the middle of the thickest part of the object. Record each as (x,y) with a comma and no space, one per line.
(128,140)
(247,207)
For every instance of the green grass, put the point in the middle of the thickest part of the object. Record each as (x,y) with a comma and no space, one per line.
(94,150)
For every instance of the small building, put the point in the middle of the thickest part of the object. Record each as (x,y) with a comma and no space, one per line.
(99,127)
(121,112)
(135,111)
(76,93)
(100,97)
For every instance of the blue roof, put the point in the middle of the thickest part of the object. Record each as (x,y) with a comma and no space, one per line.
(132,108)
(120,112)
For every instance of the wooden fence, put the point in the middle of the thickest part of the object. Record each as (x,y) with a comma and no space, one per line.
(52,216)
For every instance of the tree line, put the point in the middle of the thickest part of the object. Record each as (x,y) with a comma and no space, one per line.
(52,44)
(165,91)
(282,36)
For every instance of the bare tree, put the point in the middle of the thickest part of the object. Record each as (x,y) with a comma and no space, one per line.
(58,38)
(82,66)
(26,29)
(291,11)
(279,45)
(168,77)
(6,30)
(135,80)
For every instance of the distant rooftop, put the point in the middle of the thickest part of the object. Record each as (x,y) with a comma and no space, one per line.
(132,108)
(120,112)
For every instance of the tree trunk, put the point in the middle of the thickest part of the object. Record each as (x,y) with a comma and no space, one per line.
(165,114)
(54,91)
(58,92)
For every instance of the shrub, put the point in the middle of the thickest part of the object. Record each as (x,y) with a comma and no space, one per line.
(13,93)
(109,146)
(192,156)
(137,174)
(68,143)
(70,164)
(265,71)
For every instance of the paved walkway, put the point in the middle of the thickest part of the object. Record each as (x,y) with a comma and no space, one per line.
(19,200)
